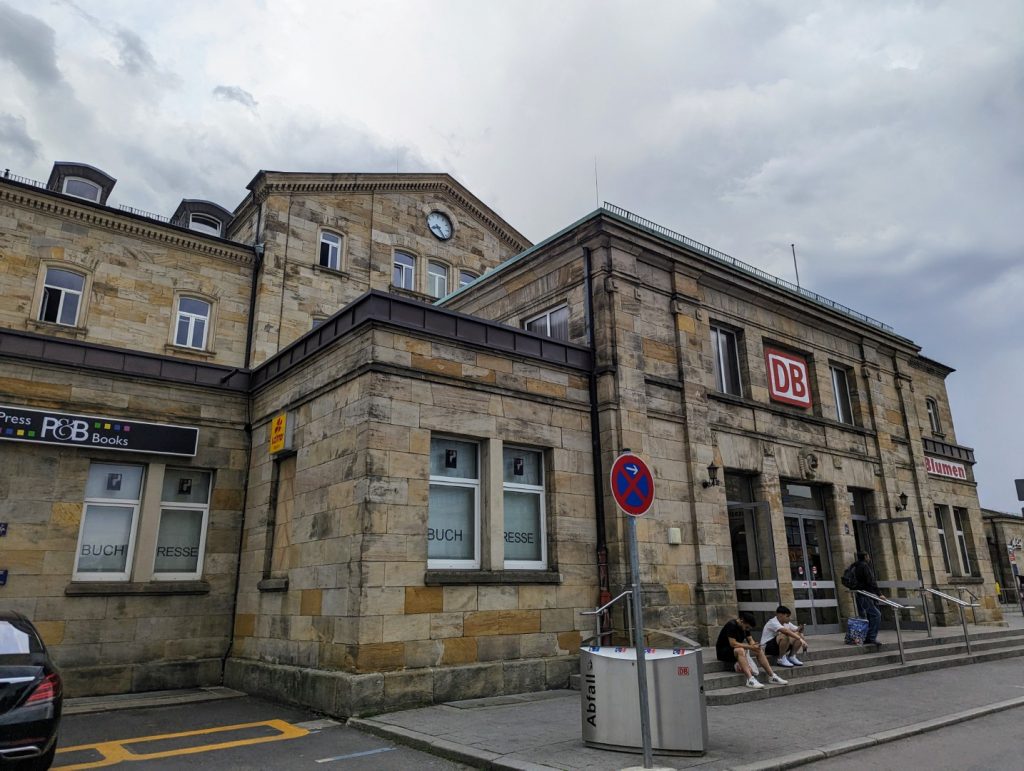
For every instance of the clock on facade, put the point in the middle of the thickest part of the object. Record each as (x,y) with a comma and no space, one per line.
(440,225)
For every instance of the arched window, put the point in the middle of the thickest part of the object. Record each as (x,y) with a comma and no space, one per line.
(404,274)
(62,297)
(437,279)
(465,277)
(204,223)
(193,323)
(933,415)
(82,188)
(330,250)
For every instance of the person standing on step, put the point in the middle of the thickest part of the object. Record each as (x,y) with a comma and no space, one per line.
(866,607)
(735,646)
(781,639)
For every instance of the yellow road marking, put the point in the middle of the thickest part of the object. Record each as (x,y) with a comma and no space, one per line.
(115,752)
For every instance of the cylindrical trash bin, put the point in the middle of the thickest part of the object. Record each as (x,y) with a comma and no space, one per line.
(610,705)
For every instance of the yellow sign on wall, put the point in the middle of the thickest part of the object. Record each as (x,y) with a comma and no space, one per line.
(279,433)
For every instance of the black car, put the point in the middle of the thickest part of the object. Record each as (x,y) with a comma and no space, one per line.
(30,696)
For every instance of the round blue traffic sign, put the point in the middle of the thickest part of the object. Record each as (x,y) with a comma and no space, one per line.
(632,484)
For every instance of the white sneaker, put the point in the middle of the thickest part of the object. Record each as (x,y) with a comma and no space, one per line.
(755,683)
(776,679)
(795,661)
(784,661)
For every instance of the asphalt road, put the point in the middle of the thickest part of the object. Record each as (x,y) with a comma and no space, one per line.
(992,742)
(241,733)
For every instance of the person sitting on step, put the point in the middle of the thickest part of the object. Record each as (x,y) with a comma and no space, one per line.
(783,639)
(735,646)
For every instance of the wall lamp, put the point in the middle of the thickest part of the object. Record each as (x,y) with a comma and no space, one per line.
(712,480)
(902,505)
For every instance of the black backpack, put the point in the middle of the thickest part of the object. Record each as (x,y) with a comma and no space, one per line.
(849,579)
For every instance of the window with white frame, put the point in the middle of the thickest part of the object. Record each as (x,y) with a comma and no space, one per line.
(940,524)
(933,415)
(841,392)
(959,530)
(82,188)
(437,279)
(553,323)
(106,539)
(453,519)
(404,273)
(465,277)
(193,323)
(62,297)
(330,250)
(204,223)
(725,350)
(523,502)
(184,511)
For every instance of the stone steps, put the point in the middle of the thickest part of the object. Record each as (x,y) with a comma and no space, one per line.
(830,664)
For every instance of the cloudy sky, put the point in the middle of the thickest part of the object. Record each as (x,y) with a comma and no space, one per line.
(886,140)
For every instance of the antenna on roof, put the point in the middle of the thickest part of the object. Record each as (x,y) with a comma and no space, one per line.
(597,192)
(795,268)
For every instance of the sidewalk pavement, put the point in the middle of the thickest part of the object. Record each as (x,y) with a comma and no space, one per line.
(542,730)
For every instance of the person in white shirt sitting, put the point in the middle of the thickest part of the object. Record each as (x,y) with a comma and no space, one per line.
(783,639)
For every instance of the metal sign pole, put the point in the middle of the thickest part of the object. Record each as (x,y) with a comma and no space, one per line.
(638,643)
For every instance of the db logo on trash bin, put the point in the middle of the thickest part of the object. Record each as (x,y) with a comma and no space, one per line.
(683,671)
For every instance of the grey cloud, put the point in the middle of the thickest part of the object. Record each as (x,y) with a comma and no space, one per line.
(14,139)
(30,45)
(236,94)
(135,55)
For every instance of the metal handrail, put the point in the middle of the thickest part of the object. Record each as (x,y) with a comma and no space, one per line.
(894,606)
(628,594)
(960,591)
(960,606)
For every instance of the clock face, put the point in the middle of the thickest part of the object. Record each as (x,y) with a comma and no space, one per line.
(439,225)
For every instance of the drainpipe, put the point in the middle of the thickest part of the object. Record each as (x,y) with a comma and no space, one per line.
(257,249)
(603,586)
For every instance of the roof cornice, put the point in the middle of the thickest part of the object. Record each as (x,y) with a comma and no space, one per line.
(270,182)
(128,223)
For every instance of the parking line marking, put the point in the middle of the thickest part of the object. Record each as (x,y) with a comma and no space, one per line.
(115,752)
(356,754)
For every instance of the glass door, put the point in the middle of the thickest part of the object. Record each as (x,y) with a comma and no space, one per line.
(753,559)
(810,564)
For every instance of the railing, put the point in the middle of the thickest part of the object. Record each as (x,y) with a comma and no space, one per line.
(628,597)
(142,213)
(745,267)
(23,180)
(961,591)
(896,607)
(961,605)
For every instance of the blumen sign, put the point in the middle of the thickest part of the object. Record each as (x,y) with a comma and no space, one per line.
(945,468)
(788,380)
(45,427)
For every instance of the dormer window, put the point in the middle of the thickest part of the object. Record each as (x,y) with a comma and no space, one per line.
(82,188)
(203,223)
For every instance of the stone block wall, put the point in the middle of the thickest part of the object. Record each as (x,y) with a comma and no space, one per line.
(135,635)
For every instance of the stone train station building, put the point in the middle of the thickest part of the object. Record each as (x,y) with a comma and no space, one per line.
(347,444)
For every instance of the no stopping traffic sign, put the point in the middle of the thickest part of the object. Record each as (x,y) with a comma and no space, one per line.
(632,484)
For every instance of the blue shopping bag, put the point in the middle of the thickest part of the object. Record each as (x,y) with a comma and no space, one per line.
(856,631)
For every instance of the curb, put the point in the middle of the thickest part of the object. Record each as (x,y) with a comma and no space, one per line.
(89,705)
(881,737)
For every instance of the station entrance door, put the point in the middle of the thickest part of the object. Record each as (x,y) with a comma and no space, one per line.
(810,559)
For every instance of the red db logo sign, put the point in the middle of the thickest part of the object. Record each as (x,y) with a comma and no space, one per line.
(788,381)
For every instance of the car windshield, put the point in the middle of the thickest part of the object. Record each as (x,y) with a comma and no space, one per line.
(17,638)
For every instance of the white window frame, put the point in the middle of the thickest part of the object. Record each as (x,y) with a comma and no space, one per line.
(963,555)
(437,279)
(99,189)
(135,505)
(79,293)
(466,277)
(204,223)
(541,493)
(204,508)
(940,523)
(546,316)
(461,482)
(719,352)
(191,319)
(932,407)
(844,406)
(406,271)
(333,249)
